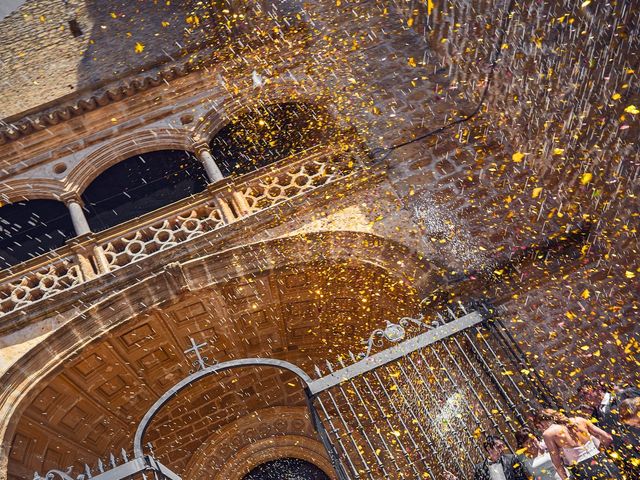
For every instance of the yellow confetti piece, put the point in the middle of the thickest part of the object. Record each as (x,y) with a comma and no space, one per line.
(517,157)
(585,294)
(629,274)
(412,61)
(536,192)
(193,20)
(430,6)
(139,48)
(586,178)
(558,151)
(616,96)
(632,109)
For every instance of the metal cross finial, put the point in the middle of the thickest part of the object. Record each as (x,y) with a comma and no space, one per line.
(196,348)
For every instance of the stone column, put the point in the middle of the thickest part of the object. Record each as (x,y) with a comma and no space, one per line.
(87,252)
(211,167)
(74,204)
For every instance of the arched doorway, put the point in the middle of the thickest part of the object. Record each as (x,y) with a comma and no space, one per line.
(141,184)
(95,401)
(30,228)
(286,469)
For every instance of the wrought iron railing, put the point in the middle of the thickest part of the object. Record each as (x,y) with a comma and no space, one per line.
(221,204)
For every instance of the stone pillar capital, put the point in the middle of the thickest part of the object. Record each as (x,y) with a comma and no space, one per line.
(200,147)
(211,167)
(71,197)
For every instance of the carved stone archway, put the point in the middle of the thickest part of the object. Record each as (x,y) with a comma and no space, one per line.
(280,91)
(160,290)
(126,146)
(265,435)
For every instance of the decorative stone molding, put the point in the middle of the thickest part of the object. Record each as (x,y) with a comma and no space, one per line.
(262,436)
(113,93)
(280,91)
(24,189)
(71,197)
(124,147)
(184,221)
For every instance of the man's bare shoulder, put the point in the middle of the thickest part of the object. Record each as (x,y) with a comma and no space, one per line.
(552,431)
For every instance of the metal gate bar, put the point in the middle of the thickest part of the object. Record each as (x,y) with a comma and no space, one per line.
(511,345)
(463,425)
(457,387)
(413,415)
(379,435)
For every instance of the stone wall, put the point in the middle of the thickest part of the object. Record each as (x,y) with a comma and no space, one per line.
(43,60)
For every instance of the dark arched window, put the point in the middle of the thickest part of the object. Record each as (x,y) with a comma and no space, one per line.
(141,184)
(268,134)
(31,228)
(283,468)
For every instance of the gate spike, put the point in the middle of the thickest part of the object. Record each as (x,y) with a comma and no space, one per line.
(123,454)
(100,466)
(112,460)
(87,471)
(329,366)
(318,371)
(36,476)
(352,356)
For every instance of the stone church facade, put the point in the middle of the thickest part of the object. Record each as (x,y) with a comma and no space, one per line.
(527,199)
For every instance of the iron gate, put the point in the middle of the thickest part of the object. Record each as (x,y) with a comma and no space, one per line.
(413,410)
(424,406)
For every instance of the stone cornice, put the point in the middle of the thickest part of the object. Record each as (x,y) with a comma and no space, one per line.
(21,125)
(119,90)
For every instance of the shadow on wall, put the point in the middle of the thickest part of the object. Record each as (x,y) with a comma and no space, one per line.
(50,49)
(129,36)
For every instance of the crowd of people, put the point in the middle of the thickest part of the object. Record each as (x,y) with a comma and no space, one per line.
(604,446)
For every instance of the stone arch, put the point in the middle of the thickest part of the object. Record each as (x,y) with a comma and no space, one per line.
(21,189)
(281,91)
(124,147)
(24,379)
(293,438)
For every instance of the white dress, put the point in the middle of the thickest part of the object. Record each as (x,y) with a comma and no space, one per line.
(542,467)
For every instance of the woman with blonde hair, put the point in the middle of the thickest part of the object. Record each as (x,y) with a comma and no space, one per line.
(572,446)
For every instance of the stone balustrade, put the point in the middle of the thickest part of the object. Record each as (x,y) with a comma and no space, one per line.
(91,255)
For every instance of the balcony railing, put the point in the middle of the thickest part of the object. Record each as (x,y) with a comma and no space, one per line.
(223,203)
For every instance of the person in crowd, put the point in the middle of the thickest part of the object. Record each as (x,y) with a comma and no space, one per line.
(630,450)
(535,457)
(499,465)
(572,446)
(604,403)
